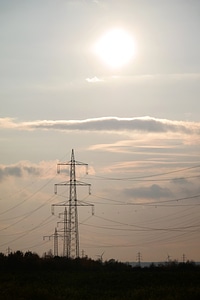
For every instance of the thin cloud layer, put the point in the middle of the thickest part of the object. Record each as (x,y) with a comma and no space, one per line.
(107,124)
(26,168)
(94,80)
(152,192)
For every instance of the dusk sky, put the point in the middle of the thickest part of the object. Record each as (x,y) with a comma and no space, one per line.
(118,82)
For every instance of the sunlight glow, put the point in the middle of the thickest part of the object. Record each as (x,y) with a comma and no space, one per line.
(116,48)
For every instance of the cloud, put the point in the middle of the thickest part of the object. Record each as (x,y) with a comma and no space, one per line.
(107,124)
(152,192)
(180,181)
(43,170)
(94,80)
(26,168)
(15,171)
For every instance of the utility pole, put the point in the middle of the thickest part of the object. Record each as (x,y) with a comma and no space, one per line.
(72,220)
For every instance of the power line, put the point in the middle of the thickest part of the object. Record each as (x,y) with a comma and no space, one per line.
(152,203)
(28,198)
(28,231)
(32,195)
(140,228)
(35,245)
(29,214)
(146,176)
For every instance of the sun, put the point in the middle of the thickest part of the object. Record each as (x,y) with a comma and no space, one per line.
(116,48)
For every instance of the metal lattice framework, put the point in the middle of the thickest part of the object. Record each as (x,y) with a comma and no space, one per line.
(55,237)
(71,232)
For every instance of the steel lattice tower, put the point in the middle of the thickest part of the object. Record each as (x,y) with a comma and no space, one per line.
(71,233)
(73,212)
(64,232)
(55,236)
(56,243)
(66,237)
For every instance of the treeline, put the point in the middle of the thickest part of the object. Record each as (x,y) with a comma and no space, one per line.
(28,276)
(30,260)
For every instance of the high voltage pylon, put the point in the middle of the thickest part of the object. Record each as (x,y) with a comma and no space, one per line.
(71,232)
(138,258)
(65,230)
(55,236)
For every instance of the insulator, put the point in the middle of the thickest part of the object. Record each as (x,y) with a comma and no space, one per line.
(92,210)
(52,209)
(55,189)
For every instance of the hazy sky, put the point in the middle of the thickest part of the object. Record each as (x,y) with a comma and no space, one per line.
(136,126)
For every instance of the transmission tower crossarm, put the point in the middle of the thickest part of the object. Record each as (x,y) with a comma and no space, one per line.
(72,162)
(83,203)
(68,183)
(77,183)
(47,236)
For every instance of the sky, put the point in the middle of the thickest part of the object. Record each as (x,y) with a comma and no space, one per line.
(136,126)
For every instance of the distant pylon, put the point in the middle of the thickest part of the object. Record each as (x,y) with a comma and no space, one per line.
(56,243)
(72,220)
(184,258)
(65,234)
(8,250)
(55,236)
(139,258)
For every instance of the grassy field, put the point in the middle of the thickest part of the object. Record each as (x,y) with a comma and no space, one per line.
(86,279)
